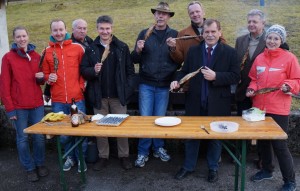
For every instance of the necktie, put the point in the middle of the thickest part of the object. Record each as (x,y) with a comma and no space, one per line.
(209,49)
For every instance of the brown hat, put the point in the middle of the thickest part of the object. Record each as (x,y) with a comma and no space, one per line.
(163,7)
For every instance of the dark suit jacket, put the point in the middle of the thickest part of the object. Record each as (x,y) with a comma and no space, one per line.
(241,47)
(225,64)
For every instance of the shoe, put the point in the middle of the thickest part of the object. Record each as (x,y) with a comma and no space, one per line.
(68,164)
(182,173)
(212,176)
(262,175)
(42,171)
(125,163)
(141,161)
(84,166)
(289,186)
(32,176)
(100,164)
(162,154)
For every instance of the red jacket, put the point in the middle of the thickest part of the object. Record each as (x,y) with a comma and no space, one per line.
(271,69)
(69,82)
(19,88)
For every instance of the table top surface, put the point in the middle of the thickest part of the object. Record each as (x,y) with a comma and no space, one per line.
(145,127)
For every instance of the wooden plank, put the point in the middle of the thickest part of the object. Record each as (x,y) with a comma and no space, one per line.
(144,127)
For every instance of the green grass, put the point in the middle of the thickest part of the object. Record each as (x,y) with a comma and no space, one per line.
(131,16)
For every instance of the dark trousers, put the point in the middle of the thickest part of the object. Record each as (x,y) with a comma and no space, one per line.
(280,149)
(243,105)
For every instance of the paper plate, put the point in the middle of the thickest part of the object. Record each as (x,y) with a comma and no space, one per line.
(167,121)
(97,117)
(224,126)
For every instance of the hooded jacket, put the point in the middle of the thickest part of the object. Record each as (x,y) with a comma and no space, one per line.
(272,69)
(69,83)
(19,87)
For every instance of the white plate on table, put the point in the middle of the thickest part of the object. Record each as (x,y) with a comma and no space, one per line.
(224,126)
(167,121)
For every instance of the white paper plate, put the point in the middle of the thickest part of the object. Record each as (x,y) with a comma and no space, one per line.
(224,126)
(97,117)
(167,121)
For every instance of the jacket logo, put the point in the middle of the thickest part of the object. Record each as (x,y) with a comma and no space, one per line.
(260,69)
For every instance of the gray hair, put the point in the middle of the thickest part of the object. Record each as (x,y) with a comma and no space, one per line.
(254,12)
(193,3)
(75,22)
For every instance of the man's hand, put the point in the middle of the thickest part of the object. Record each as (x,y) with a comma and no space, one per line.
(174,85)
(208,74)
(98,67)
(139,46)
(171,42)
(52,77)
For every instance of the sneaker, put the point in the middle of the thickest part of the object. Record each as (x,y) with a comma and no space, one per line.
(162,154)
(212,176)
(262,175)
(84,166)
(141,160)
(289,186)
(68,164)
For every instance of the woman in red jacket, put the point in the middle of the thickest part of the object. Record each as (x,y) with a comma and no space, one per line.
(275,68)
(21,95)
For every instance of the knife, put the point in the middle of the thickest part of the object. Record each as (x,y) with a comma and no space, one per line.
(202,127)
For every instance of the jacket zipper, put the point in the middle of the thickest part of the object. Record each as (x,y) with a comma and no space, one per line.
(64,73)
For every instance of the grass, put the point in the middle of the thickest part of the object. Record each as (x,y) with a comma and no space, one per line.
(131,16)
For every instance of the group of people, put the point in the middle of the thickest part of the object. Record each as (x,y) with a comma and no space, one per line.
(99,74)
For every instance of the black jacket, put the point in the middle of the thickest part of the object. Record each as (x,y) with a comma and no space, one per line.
(225,64)
(124,76)
(156,66)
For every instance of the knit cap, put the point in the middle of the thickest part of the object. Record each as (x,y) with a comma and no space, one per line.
(278,29)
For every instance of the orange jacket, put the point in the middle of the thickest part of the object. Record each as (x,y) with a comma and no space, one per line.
(70,83)
(272,69)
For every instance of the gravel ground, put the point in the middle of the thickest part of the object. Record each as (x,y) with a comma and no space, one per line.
(156,175)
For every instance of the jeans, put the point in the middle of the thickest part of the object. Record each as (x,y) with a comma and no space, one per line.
(153,101)
(214,150)
(243,105)
(25,118)
(69,141)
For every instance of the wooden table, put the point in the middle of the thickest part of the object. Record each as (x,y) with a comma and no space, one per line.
(144,127)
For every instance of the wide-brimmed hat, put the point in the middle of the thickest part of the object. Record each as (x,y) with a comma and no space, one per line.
(163,7)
